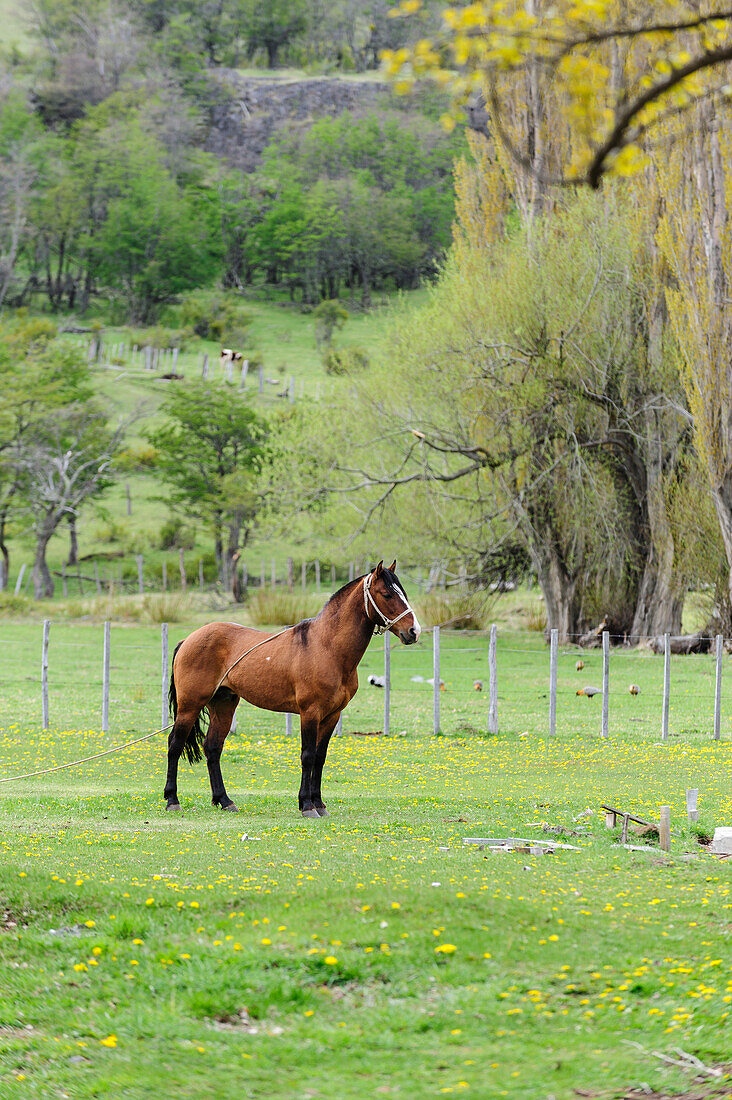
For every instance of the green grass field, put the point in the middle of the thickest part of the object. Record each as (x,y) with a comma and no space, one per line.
(372,952)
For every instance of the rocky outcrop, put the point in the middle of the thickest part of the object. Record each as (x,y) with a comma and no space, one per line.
(251,109)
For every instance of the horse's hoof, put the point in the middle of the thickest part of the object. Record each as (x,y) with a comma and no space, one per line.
(323,811)
(173,806)
(231,807)
(310,813)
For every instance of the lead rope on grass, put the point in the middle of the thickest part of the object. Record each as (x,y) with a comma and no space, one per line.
(84,759)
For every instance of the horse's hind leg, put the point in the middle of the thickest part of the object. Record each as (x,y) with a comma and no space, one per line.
(177,739)
(221,710)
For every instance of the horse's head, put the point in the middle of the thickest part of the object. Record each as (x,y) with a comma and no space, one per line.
(387,605)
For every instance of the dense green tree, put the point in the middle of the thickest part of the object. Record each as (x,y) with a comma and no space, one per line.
(273,25)
(208,450)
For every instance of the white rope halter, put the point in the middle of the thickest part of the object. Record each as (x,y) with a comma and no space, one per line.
(386,623)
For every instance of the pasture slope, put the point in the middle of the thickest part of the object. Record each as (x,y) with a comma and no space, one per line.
(371,953)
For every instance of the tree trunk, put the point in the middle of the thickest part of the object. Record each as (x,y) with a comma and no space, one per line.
(73,558)
(560,596)
(42,580)
(722,497)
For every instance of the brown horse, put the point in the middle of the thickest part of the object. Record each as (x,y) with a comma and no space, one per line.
(308,669)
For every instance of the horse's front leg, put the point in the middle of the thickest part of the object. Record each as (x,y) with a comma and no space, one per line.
(325,731)
(221,710)
(308,742)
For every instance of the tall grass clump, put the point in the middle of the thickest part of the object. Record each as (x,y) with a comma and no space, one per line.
(162,607)
(12,605)
(460,610)
(270,607)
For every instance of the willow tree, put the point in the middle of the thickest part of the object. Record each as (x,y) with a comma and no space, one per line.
(607,75)
(695,237)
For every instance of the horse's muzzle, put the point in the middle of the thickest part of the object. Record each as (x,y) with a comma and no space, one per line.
(408,637)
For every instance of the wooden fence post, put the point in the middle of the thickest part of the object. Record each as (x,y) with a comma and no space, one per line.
(263,574)
(64,582)
(273,573)
(97,581)
(200,573)
(182,568)
(605,682)
(333,577)
(351,571)
(493,681)
(387,680)
(666,685)
(140,578)
(164,664)
(19,581)
(204,366)
(718,690)
(554,641)
(165,576)
(105,676)
(317,574)
(664,827)
(692,804)
(244,373)
(304,575)
(44,672)
(436,680)
(290,574)
(261,378)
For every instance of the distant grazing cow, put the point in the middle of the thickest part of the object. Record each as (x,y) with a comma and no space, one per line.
(230,358)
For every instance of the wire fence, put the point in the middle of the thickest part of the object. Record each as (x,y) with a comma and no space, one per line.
(108,676)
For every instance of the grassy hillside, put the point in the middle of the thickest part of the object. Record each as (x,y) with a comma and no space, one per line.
(284,338)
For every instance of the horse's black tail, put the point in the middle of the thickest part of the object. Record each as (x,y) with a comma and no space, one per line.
(196,734)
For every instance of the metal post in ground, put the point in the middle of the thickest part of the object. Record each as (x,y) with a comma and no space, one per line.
(105,677)
(436,680)
(493,681)
(164,665)
(605,682)
(44,671)
(387,680)
(718,689)
(666,685)
(554,642)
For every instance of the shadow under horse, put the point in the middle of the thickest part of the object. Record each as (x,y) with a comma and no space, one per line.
(309,669)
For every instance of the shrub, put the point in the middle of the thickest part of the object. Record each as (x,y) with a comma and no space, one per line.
(138,457)
(161,337)
(345,360)
(215,316)
(175,535)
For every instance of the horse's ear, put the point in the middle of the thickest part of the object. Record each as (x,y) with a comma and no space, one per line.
(379,568)
(392,567)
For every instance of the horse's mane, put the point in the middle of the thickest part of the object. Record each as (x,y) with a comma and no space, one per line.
(341,593)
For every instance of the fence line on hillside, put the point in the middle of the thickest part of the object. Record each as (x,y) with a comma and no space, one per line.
(445,661)
(169,363)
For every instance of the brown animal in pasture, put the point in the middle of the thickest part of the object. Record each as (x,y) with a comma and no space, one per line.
(309,669)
